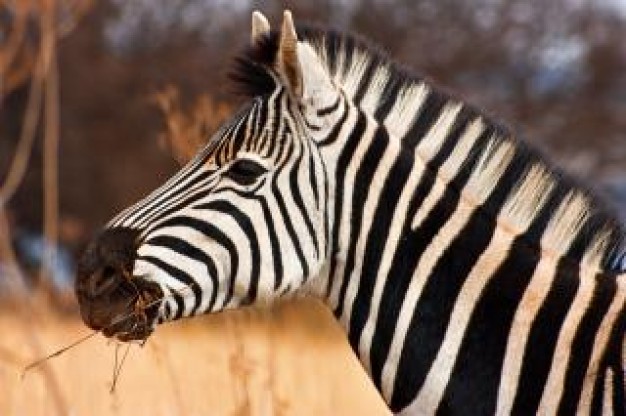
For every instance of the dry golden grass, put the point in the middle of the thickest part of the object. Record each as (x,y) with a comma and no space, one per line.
(292,360)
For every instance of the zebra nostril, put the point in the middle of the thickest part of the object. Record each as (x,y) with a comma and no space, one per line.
(103,281)
(101,268)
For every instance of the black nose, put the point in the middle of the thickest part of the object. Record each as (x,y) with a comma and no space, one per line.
(105,262)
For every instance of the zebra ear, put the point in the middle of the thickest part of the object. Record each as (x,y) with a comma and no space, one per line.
(301,69)
(288,65)
(260,27)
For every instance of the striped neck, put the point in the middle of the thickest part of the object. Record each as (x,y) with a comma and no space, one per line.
(444,133)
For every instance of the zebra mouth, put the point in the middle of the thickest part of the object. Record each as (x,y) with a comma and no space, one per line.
(138,322)
(127,312)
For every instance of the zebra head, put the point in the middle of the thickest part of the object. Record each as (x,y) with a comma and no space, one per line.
(244,222)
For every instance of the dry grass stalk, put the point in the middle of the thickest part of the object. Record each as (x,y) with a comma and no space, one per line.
(187,131)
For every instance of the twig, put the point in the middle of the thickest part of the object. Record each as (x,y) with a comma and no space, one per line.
(51,156)
(117,369)
(122,319)
(58,352)
(11,46)
(26,139)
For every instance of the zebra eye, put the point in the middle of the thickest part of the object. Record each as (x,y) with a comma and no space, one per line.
(245,171)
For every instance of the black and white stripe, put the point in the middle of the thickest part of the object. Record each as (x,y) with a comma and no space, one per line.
(470,276)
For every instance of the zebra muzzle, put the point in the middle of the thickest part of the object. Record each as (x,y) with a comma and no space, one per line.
(111,299)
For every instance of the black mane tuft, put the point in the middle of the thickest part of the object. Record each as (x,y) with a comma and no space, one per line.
(250,72)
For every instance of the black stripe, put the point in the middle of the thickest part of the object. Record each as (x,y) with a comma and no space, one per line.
(240,136)
(215,234)
(342,165)
(269,224)
(280,141)
(312,175)
(614,357)
(377,237)
(398,176)
(179,275)
(582,345)
(346,50)
(407,257)
(252,128)
(326,209)
(475,378)
(244,222)
(388,98)
(286,218)
(362,182)
(181,203)
(432,311)
(294,187)
(187,250)
(334,132)
(428,114)
(324,111)
(364,82)
(484,344)
(598,393)
(543,337)
(311,126)
(272,131)
(276,254)
(262,121)
(150,212)
(168,310)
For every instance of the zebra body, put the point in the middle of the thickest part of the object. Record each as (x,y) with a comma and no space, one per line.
(469,276)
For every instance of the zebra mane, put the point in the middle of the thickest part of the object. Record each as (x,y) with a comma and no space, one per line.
(580,227)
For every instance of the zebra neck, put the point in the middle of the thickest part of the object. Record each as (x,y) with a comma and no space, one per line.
(450,136)
(419,232)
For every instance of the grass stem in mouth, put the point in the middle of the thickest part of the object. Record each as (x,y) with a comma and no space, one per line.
(40,361)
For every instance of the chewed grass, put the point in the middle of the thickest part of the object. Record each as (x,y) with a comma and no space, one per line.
(292,360)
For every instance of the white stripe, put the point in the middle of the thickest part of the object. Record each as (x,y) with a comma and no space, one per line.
(375,89)
(369,210)
(346,213)
(607,400)
(428,260)
(526,313)
(495,166)
(599,347)
(351,79)
(438,133)
(385,264)
(429,397)
(163,204)
(406,109)
(553,389)
(460,152)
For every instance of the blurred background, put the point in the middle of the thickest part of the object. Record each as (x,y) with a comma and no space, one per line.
(100,101)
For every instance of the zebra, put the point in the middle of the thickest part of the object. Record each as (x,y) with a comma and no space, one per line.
(470,276)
